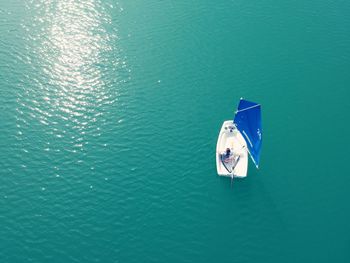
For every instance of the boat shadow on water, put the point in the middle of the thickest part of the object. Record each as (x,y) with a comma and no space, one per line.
(250,195)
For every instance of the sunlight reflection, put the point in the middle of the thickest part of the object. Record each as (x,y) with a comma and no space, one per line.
(72,57)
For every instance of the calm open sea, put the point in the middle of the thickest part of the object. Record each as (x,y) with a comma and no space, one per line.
(110,112)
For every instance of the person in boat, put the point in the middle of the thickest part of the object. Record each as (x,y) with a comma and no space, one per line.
(227,153)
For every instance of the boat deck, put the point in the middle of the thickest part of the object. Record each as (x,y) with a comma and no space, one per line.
(230,137)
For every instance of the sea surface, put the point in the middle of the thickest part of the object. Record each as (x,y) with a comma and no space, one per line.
(109,116)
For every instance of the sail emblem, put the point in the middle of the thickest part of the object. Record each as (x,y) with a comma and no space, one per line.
(259,133)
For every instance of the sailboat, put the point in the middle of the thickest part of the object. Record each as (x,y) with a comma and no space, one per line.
(239,138)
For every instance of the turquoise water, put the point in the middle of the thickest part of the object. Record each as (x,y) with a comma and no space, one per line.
(110,113)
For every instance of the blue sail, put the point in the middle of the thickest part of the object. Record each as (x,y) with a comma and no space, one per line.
(248,122)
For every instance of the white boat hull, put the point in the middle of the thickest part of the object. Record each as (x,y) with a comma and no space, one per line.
(237,164)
